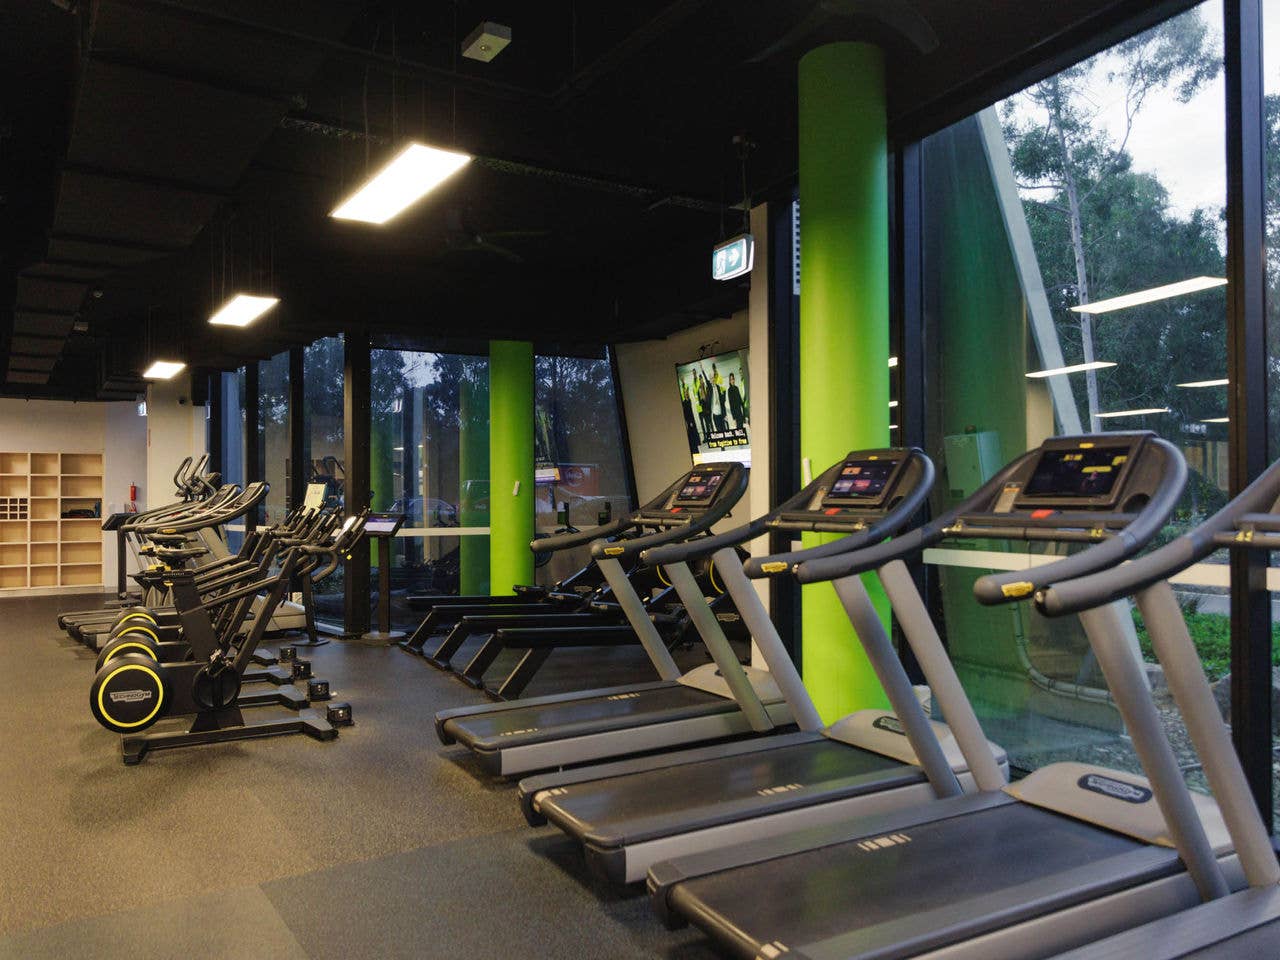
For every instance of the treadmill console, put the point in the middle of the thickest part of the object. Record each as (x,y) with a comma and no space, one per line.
(696,493)
(846,497)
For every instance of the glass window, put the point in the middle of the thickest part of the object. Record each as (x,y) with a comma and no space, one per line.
(322,386)
(1078,190)
(578,445)
(233,432)
(430,461)
(1271,160)
(274,435)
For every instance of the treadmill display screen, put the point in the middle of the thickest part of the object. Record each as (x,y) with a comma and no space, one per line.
(862,480)
(1077,474)
(700,488)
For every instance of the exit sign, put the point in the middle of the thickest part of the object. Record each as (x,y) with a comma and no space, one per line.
(733,258)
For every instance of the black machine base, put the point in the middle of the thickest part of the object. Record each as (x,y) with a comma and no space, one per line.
(223,727)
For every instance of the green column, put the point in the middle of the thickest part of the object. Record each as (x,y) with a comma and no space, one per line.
(844,323)
(473,479)
(510,464)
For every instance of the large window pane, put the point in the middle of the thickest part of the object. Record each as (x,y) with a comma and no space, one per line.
(1104,180)
(274,439)
(578,443)
(233,441)
(322,447)
(430,461)
(1271,159)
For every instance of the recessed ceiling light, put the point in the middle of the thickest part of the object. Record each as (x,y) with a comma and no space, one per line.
(1217,420)
(415,172)
(893,361)
(1075,368)
(1131,413)
(163,370)
(1149,296)
(1205,383)
(242,309)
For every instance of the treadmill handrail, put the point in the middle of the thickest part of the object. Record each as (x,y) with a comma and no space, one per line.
(1019,584)
(733,491)
(706,546)
(576,538)
(1096,589)
(910,543)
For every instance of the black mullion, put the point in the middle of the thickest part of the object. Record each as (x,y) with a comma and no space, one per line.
(784,410)
(620,410)
(1247,394)
(908,334)
(214,425)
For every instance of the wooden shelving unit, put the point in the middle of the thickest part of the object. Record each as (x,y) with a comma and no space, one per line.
(40,548)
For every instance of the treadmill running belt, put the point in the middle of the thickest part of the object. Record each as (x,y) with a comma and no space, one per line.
(550,721)
(843,888)
(659,802)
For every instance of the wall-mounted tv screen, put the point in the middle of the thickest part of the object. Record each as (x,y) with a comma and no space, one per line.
(717,411)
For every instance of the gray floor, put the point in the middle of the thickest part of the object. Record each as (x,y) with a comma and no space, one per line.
(381,844)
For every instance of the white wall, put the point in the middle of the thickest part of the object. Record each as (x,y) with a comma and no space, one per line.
(651,399)
(112,429)
(175,429)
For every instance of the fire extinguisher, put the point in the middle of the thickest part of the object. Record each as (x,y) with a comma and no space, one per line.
(133,498)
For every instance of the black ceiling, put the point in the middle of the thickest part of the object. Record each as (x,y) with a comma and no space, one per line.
(156,155)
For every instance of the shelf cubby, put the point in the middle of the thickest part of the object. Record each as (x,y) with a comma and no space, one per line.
(78,553)
(13,554)
(13,578)
(46,463)
(82,531)
(82,464)
(44,486)
(12,486)
(44,576)
(79,574)
(13,531)
(80,486)
(42,553)
(44,508)
(44,532)
(18,463)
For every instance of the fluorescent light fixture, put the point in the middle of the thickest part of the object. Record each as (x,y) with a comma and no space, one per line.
(242,309)
(892,404)
(1131,413)
(1206,383)
(401,449)
(415,172)
(893,361)
(1217,420)
(1074,368)
(163,370)
(1155,293)
(893,426)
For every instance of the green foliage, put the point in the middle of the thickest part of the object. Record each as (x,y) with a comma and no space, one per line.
(1211,633)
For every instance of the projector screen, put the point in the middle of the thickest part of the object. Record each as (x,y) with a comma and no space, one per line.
(717,413)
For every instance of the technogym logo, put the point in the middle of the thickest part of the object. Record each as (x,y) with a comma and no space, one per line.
(889,724)
(132,696)
(883,843)
(1118,789)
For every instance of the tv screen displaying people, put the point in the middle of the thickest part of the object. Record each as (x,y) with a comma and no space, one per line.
(717,410)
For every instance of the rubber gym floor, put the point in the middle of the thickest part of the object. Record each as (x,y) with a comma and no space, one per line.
(381,844)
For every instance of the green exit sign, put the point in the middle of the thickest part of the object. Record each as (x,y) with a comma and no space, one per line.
(733,258)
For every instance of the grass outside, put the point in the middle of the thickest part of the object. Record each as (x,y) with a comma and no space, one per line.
(1211,633)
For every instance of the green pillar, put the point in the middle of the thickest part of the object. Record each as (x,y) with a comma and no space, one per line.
(844,323)
(510,464)
(473,479)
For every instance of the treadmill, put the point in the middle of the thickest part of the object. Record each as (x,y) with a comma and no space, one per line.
(716,701)
(629,814)
(1070,854)
(1245,923)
